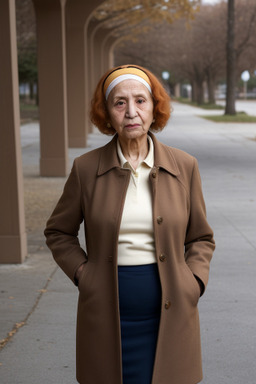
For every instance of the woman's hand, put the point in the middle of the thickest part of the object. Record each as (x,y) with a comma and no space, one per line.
(78,273)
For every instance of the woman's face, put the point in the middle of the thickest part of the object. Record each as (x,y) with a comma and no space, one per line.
(130,107)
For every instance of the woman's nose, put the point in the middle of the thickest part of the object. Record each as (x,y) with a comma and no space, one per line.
(131,111)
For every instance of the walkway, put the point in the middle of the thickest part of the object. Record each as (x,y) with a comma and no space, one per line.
(41,301)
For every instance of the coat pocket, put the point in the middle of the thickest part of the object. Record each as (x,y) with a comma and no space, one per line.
(82,278)
(191,286)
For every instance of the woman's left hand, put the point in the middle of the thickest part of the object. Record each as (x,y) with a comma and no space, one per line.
(78,272)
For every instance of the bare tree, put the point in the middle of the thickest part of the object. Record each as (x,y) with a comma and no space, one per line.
(241,40)
(193,53)
(26,43)
(136,11)
(231,60)
(196,53)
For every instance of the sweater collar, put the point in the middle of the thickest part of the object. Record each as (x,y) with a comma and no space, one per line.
(149,160)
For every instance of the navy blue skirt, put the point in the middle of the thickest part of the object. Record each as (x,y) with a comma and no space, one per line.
(140,306)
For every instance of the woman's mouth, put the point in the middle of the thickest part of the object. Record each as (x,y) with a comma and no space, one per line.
(132,126)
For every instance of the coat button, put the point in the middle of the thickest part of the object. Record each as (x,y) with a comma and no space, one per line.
(167,304)
(159,219)
(162,257)
(154,175)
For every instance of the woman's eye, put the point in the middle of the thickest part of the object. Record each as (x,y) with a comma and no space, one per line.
(140,101)
(120,103)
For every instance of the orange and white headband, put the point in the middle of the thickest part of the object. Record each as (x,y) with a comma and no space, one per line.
(128,73)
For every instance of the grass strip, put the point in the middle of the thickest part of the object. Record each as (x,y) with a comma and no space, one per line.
(193,104)
(240,117)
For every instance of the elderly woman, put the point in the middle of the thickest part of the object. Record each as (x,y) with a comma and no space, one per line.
(148,243)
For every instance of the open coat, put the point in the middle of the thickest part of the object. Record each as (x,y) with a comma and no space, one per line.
(95,193)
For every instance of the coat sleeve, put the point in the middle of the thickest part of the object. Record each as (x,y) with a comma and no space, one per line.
(199,243)
(62,227)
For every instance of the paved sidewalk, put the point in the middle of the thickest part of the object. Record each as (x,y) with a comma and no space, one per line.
(38,303)
(248,106)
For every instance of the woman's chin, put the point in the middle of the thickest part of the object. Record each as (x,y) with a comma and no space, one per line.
(134,133)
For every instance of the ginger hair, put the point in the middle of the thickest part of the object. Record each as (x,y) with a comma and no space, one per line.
(162,109)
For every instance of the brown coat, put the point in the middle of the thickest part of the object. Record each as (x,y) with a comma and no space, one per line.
(95,192)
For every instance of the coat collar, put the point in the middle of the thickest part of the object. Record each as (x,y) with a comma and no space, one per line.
(163,157)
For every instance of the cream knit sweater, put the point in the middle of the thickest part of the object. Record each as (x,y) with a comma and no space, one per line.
(136,245)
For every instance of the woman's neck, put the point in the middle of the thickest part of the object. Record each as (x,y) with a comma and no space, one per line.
(135,150)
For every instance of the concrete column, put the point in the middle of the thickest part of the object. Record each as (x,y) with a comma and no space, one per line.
(111,57)
(106,52)
(91,26)
(112,50)
(94,55)
(13,241)
(100,52)
(97,37)
(78,12)
(50,18)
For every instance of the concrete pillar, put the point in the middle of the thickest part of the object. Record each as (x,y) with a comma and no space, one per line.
(111,56)
(106,51)
(97,36)
(100,52)
(13,241)
(112,50)
(91,26)
(50,19)
(78,12)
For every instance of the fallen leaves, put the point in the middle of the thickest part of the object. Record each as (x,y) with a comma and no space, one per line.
(42,290)
(10,334)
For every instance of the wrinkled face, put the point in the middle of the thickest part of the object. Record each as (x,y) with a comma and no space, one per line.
(130,107)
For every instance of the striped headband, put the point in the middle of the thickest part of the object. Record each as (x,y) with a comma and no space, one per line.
(122,74)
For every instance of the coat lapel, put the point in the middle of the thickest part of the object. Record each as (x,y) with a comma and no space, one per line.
(108,157)
(163,157)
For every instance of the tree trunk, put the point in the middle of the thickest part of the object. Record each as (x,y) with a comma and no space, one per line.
(194,92)
(211,88)
(200,92)
(199,80)
(231,61)
(37,94)
(31,90)
(197,91)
